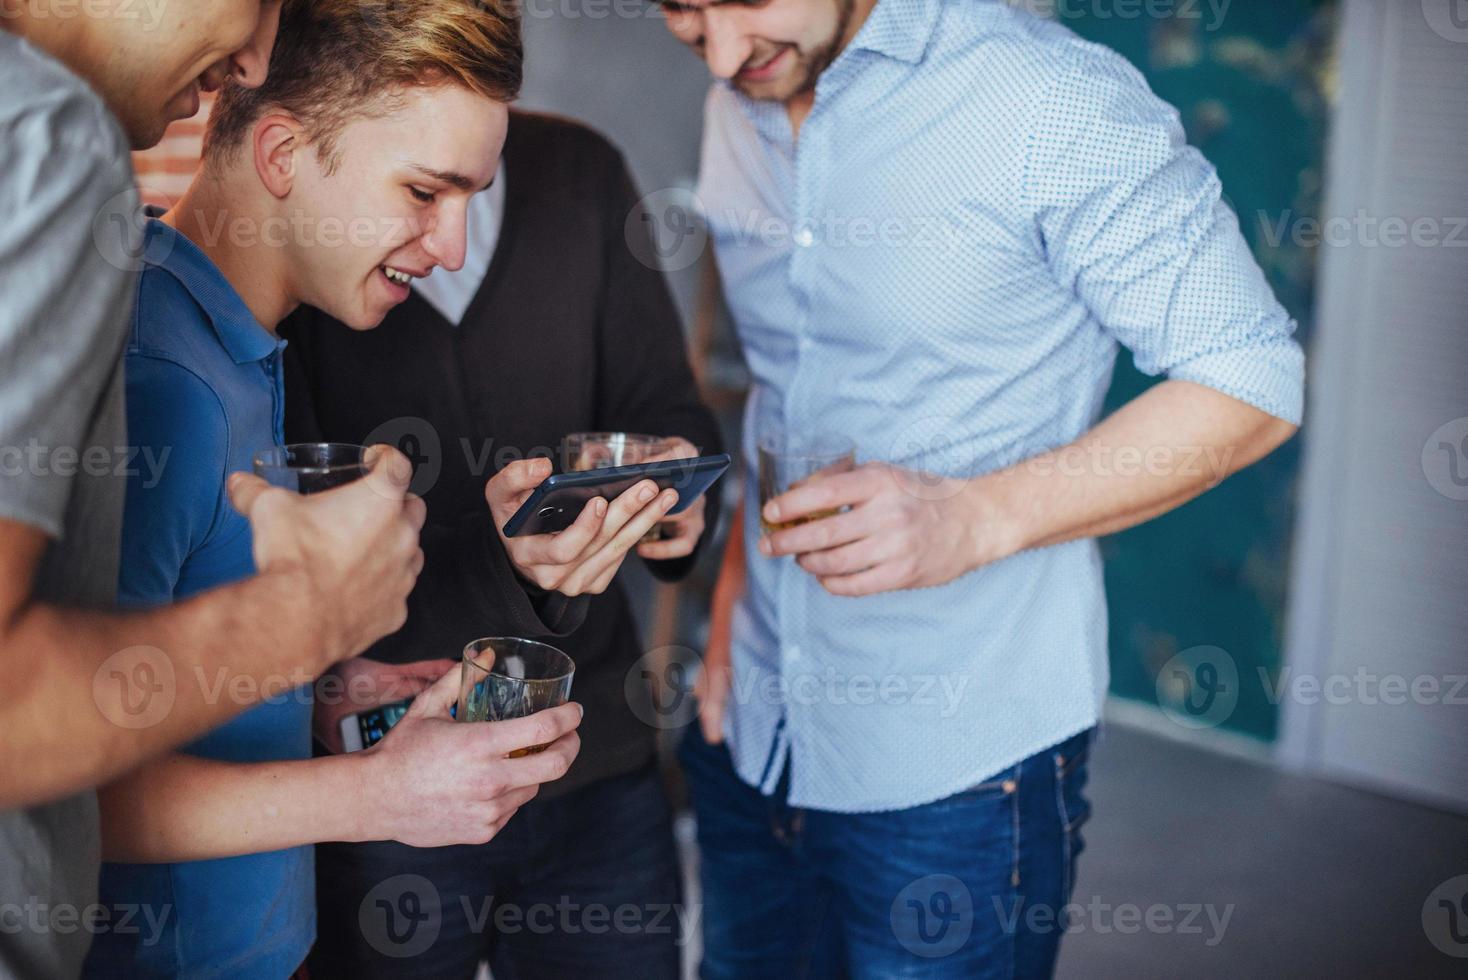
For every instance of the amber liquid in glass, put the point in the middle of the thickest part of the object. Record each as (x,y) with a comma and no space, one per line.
(819,515)
(530,750)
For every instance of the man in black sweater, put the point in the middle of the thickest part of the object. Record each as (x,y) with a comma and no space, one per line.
(553,326)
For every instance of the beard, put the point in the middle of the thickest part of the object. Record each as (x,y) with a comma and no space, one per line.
(810,64)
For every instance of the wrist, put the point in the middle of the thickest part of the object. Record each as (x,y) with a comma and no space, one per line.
(367,792)
(994,522)
(304,616)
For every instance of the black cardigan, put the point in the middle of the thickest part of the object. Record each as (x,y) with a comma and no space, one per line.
(569,332)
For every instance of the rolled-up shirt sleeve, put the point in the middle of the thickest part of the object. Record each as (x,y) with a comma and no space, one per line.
(1133,220)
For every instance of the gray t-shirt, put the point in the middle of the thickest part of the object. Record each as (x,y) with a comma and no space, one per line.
(68,248)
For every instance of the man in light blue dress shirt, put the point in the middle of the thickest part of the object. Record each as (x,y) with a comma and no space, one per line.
(936,222)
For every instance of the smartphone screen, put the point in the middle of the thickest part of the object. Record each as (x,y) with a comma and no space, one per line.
(374,724)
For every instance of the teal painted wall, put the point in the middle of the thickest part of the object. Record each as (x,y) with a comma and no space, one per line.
(1253,90)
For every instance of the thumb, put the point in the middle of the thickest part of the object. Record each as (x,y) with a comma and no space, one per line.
(515,479)
(388,471)
(244,489)
(439,697)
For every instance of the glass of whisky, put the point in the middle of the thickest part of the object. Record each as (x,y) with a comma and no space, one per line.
(506,677)
(311,467)
(789,461)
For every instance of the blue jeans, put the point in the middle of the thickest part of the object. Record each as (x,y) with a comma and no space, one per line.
(971,886)
(582,885)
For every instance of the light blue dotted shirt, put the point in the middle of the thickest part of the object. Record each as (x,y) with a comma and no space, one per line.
(980,208)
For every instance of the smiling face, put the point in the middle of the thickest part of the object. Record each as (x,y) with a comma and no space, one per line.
(395,203)
(769,49)
(155,70)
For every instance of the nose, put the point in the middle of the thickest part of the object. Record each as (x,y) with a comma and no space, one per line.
(724,48)
(446,239)
(251,64)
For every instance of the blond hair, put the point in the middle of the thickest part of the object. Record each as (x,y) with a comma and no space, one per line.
(336,60)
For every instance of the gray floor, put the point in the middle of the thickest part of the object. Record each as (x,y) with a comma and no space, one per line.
(1324,881)
(1290,877)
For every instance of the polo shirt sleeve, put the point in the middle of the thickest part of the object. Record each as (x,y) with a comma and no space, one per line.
(64,298)
(178,445)
(1132,219)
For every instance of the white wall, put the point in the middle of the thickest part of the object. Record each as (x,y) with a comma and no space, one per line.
(1380,577)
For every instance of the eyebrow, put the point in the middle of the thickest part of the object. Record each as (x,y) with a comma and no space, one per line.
(451,178)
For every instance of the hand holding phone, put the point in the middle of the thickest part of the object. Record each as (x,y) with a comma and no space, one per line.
(677,535)
(552,506)
(584,557)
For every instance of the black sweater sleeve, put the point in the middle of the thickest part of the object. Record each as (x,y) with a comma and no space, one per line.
(644,380)
(467,574)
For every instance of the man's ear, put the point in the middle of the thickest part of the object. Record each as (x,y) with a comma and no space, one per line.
(278,140)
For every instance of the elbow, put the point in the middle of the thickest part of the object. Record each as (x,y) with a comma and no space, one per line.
(1275,432)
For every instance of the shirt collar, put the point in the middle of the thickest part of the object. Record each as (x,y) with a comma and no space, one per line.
(238,330)
(899,29)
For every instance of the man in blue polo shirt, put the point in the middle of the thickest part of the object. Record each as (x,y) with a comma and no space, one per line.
(217,839)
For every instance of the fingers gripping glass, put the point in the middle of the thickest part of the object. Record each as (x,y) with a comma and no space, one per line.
(311,467)
(790,461)
(505,677)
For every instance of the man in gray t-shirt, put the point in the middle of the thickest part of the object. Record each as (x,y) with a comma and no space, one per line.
(76,91)
(63,310)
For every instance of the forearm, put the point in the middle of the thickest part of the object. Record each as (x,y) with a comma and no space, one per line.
(1153,454)
(184,808)
(78,711)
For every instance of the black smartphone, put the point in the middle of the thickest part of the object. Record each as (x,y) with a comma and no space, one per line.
(556,503)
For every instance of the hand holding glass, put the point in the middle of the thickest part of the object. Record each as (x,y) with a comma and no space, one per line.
(506,677)
(789,461)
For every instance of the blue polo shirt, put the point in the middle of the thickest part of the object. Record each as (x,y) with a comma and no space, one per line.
(204,393)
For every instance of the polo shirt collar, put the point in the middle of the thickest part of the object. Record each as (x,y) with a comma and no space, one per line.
(236,327)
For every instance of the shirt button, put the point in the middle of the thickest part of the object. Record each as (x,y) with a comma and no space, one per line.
(805,238)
